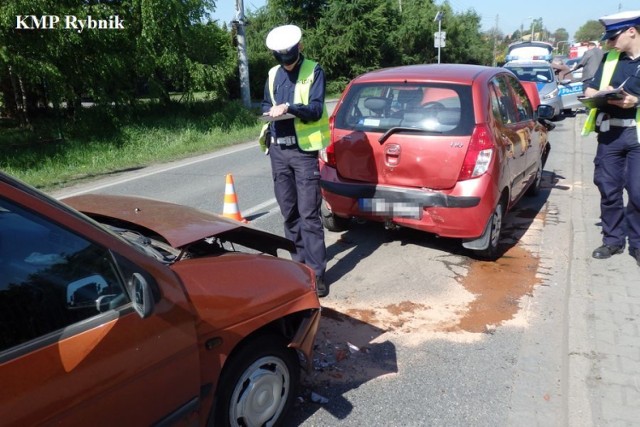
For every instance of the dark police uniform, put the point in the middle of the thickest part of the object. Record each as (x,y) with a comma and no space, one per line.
(296,173)
(617,162)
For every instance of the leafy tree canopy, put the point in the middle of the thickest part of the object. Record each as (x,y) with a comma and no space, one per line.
(591,30)
(163,45)
(169,45)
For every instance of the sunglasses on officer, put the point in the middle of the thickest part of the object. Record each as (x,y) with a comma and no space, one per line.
(615,36)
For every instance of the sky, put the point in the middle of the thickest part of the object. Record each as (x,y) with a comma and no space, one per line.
(509,15)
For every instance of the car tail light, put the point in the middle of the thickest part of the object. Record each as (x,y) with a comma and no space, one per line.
(479,154)
(328,154)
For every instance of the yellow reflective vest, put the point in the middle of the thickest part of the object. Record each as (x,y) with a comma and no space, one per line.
(607,72)
(312,136)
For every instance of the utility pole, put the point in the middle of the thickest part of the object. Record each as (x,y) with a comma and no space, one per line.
(532,26)
(495,40)
(439,19)
(243,61)
(522,29)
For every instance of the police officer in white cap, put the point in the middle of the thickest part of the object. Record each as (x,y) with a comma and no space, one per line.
(617,161)
(294,97)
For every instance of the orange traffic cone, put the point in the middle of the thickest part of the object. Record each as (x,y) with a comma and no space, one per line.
(230,209)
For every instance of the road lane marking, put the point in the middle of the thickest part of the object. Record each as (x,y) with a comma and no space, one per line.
(156,170)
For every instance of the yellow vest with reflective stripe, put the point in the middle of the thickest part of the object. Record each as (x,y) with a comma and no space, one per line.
(607,72)
(312,136)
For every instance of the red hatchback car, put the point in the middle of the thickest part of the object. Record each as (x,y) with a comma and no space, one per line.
(138,312)
(447,149)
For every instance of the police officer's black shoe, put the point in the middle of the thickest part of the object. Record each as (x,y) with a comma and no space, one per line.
(635,252)
(321,287)
(606,251)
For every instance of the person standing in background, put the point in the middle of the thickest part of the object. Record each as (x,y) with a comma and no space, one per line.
(589,62)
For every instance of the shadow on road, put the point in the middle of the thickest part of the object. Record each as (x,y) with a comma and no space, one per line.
(345,357)
(364,238)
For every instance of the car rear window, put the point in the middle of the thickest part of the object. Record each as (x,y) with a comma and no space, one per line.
(530,53)
(379,107)
(532,74)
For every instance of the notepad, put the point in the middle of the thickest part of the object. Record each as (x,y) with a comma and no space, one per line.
(600,98)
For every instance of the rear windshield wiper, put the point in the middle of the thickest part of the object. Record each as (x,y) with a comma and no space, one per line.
(397,129)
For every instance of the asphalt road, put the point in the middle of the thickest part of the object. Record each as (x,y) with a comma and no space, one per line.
(415,332)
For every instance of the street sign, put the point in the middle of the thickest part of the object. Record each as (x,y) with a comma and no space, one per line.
(439,38)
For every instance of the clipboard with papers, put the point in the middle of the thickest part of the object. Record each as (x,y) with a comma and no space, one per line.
(600,99)
(268,118)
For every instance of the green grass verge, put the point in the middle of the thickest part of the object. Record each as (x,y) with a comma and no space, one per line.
(57,152)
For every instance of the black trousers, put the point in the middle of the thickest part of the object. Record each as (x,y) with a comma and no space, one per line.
(617,168)
(296,180)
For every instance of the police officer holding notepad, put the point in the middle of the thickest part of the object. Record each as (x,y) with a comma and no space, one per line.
(617,161)
(297,86)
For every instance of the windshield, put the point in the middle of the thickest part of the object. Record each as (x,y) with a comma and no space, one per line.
(532,74)
(379,107)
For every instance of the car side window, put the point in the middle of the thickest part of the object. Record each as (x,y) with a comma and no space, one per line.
(51,278)
(503,101)
(523,104)
(495,105)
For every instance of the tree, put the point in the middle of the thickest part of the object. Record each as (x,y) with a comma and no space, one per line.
(560,35)
(39,66)
(498,42)
(536,30)
(412,36)
(164,32)
(161,46)
(465,43)
(351,36)
(305,12)
(591,30)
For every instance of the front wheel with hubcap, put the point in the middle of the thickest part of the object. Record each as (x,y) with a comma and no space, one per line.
(258,385)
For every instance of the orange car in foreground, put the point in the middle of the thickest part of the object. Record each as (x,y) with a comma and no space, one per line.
(142,312)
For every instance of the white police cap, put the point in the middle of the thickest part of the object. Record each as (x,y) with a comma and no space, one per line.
(618,22)
(283,38)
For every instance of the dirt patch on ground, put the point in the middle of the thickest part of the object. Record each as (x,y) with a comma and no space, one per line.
(496,290)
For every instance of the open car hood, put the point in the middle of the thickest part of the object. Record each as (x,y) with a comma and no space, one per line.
(179,225)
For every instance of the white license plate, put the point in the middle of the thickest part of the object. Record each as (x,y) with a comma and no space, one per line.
(382,207)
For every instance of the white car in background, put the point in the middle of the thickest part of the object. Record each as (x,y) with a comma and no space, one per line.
(530,51)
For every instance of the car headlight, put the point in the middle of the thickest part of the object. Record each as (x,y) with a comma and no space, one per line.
(551,94)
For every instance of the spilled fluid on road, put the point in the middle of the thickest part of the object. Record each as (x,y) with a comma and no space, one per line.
(498,288)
